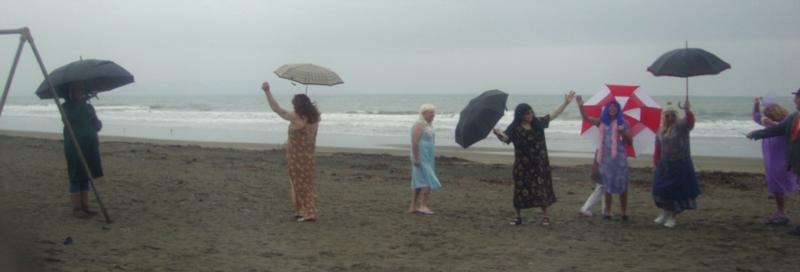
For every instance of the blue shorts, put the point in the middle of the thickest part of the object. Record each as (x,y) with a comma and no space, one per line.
(79,186)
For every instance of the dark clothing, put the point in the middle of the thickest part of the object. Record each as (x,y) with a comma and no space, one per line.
(533,185)
(785,128)
(85,124)
(675,185)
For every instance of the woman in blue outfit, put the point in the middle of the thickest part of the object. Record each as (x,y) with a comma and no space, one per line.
(82,117)
(423,168)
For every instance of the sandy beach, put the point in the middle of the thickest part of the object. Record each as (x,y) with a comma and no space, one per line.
(191,206)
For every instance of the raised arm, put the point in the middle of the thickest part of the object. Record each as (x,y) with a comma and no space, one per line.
(567,99)
(592,120)
(273,104)
(757,110)
(688,120)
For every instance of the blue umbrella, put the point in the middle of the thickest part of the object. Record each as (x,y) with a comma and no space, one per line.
(480,116)
(96,75)
(688,62)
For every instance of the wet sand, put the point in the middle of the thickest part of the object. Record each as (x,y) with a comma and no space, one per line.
(181,206)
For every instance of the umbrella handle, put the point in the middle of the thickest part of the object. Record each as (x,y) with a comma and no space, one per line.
(687,89)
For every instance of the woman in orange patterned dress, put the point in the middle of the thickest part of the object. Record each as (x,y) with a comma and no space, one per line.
(304,121)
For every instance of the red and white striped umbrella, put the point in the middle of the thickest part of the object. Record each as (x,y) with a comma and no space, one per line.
(639,110)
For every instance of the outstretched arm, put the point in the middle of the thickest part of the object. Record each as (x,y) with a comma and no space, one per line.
(567,99)
(501,135)
(592,120)
(273,104)
(773,131)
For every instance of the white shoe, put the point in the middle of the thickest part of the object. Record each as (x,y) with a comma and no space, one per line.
(661,218)
(670,222)
(586,213)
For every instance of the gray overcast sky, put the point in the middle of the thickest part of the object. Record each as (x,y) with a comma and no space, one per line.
(413,46)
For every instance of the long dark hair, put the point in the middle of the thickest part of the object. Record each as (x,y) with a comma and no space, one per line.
(307,110)
(521,110)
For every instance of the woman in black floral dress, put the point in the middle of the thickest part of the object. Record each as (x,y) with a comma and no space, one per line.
(533,184)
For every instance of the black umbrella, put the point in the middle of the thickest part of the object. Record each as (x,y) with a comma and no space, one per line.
(688,62)
(480,116)
(97,76)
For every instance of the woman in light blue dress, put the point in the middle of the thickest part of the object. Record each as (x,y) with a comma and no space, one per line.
(423,163)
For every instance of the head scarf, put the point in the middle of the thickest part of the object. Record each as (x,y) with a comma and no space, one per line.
(669,108)
(422,109)
(519,112)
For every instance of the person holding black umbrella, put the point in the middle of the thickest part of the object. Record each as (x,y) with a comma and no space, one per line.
(84,122)
(533,185)
(675,186)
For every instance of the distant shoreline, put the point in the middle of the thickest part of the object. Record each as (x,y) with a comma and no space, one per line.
(480,154)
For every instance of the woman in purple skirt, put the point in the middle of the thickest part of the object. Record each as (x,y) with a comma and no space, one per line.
(780,180)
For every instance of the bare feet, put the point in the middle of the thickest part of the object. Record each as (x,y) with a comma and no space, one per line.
(425,211)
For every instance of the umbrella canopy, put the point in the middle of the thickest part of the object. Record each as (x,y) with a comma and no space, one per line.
(639,110)
(480,116)
(308,74)
(97,76)
(688,62)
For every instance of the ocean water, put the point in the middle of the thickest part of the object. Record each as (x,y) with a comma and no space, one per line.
(363,121)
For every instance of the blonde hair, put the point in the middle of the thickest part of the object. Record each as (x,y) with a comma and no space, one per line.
(669,108)
(422,109)
(426,107)
(775,112)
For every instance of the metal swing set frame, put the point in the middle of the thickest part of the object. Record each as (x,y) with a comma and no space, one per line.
(26,37)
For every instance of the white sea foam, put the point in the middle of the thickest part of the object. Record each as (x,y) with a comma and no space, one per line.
(355,121)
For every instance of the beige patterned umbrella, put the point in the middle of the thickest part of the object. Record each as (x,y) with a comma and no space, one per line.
(308,74)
